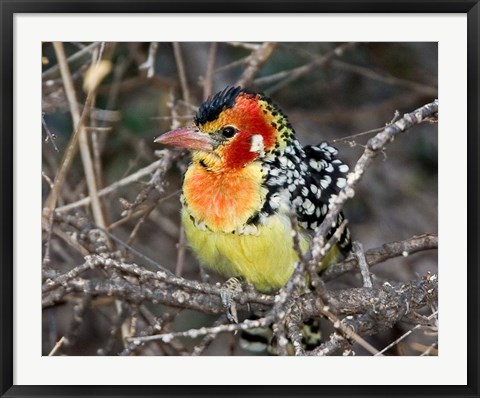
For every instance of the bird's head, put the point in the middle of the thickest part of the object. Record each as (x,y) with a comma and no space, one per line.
(232,129)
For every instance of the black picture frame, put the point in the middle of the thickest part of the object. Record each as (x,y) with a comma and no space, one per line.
(7,202)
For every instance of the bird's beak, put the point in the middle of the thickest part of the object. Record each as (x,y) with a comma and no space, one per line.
(187,137)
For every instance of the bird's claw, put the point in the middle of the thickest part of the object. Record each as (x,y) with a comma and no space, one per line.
(227,293)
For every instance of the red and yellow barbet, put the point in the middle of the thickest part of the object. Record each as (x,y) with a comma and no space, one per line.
(248,171)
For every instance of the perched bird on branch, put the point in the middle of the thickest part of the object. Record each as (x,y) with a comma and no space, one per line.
(248,173)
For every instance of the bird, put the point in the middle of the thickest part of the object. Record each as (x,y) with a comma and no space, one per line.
(248,173)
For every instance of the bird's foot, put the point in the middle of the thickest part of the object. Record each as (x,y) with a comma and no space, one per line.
(228,290)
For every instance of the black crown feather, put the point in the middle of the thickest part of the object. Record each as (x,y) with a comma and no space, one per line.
(213,106)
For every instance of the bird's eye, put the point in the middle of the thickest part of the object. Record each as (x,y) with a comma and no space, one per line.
(229,131)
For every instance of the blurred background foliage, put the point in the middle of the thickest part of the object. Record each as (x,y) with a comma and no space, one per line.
(352,92)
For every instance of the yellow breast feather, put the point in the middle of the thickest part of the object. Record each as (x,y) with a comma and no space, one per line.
(264,258)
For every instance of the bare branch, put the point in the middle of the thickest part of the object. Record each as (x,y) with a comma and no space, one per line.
(149,64)
(194,333)
(162,164)
(362,263)
(82,140)
(378,308)
(403,336)
(367,310)
(208,81)
(50,136)
(373,147)
(54,69)
(57,346)
(257,59)
(177,51)
(415,86)
(386,251)
(245,45)
(286,77)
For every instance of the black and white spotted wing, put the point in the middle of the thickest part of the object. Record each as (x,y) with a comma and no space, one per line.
(325,177)
(310,177)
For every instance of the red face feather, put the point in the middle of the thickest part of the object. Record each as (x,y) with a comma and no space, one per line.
(249,118)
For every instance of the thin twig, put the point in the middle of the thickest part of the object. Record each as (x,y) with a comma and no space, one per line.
(97,163)
(392,80)
(362,264)
(286,77)
(82,137)
(54,69)
(182,117)
(149,64)
(177,52)
(405,335)
(295,285)
(194,333)
(118,325)
(257,59)
(337,324)
(65,237)
(165,162)
(79,311)
(430,349)
(371,74)
(49,285)
(209,338)
(50,137)
(242,44)
(140,222)
(233,64)
(380,254)
(372,131)
(181,246)
(56,347)
(49,223)
(208,81)
(67,160)
(316,255)
(142,212)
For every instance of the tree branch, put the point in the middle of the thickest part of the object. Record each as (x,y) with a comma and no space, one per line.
(380,254)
